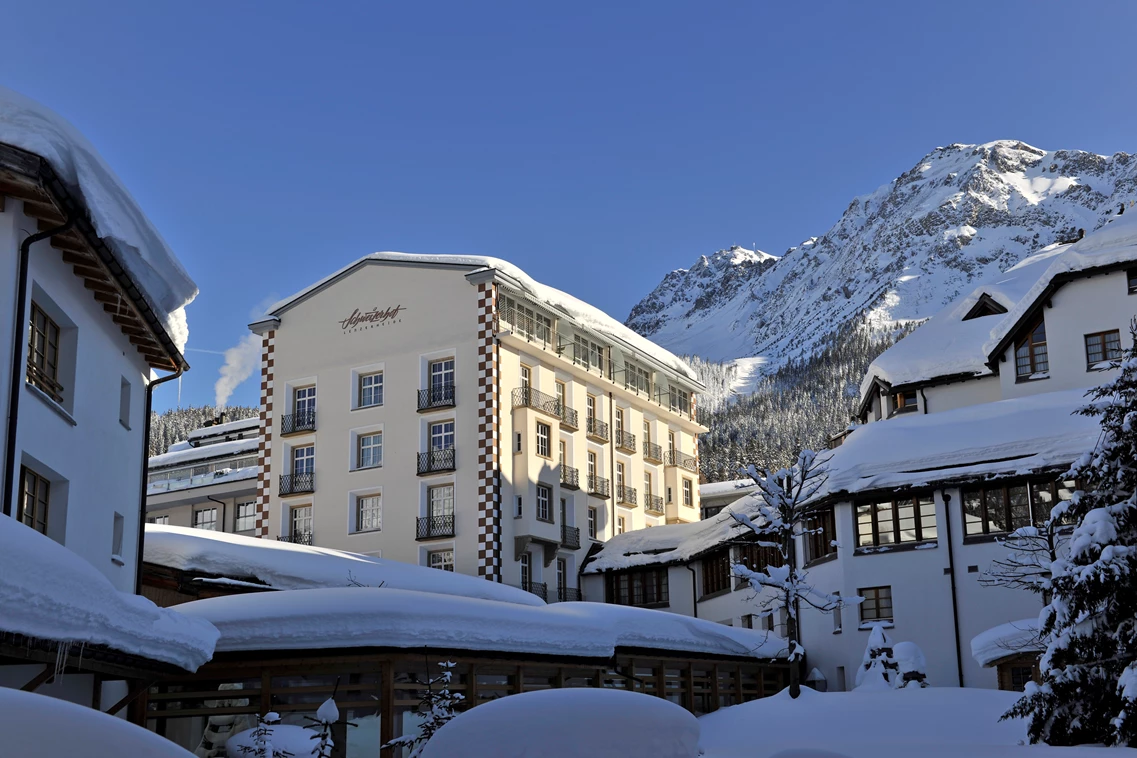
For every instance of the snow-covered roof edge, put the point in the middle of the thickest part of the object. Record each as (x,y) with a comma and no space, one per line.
(1005,640)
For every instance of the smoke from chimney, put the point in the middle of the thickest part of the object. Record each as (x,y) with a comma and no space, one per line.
(240,361)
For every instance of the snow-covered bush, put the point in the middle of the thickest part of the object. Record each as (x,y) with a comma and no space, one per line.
(1088,692)
(911,666)
(437,707)
(879,670)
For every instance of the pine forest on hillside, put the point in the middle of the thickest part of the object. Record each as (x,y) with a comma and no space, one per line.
(175,424)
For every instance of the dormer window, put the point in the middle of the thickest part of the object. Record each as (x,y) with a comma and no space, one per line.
(1031,357)
(985,306)
(904,402)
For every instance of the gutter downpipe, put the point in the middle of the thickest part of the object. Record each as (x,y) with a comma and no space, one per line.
(223,509)
(18,339)
(146,474)
(954,600)
(925,401)
(694,591)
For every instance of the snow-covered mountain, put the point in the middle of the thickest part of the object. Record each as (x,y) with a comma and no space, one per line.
(963,213)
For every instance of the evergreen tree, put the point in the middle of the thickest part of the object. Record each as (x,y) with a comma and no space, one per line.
(879,669)
(175,424)
(437,706)
(1088,692)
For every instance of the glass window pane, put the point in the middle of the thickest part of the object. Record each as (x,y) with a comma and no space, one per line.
(884,523)
(996,511)
(864,526)
(1020,507)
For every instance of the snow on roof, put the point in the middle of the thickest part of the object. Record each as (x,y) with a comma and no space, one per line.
(1005,640)
(738,487)
(286,566)
(582,313)
(229,427)
(389,617)
(209,479)
(49,592)
(188,454)
(119,221)
(670,543)
(1116,242)
(1004,438)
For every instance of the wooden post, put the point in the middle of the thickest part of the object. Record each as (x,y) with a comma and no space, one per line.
(34,683)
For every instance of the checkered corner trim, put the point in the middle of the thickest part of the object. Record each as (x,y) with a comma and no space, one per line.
(264,452)
(489,484)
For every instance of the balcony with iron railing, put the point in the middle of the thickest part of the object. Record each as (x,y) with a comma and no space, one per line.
(626,495)
(297,423)
(653,453)
(596,429)
(537,588)
(436,461)
(40,379)
(569,419)
(298,483)
(654,504)
(436,397)
(568,594)
(434,527)
(625,441)
(570,478)
(598,486)
(570,537)
(682,460)
(297,538)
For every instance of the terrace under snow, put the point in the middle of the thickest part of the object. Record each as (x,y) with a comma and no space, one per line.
(1005,640)
(386,617)
(183,452)
(287,566)
(586,315)
(48,592)
(133,240)
(738,487)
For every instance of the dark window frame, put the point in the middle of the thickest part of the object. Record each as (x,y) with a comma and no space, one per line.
(757,558)
(1092,365)
(1035,518)
(873,597)
(819,546)
(35,489)
(642,588)
(920,528)
(43,353)
(716,572)
(547,508)
(1035,349)
(1131,280)
(900,402)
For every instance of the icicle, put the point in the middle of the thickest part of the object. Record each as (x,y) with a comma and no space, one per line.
(61,653)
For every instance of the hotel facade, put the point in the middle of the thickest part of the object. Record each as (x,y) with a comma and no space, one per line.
(451,412)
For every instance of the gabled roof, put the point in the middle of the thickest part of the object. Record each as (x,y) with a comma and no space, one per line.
(985,306)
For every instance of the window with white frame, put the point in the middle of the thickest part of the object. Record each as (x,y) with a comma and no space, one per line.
(304,401)
(526,377)
(368,513)
(300,522)
(561,452)
(526,571)
(592,523)
(561,396)
(304,459)
(246,516)
(370,450)
(442,374)
(544,433)
(621,525)
(441,559)
(544,503)
(371,389)
(591,464)
(619,420)
(205,518)
(164,520)
(590,407)
(440,501)
(442,435)
(688,496)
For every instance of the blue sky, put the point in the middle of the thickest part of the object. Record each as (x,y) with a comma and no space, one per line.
(597,145)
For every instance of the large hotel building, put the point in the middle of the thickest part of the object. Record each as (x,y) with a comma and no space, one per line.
(452,412)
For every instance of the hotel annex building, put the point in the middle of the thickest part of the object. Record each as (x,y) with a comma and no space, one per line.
(450,411)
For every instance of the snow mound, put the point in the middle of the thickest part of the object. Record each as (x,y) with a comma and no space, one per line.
(46,727)
(119,221)
(49,592)
(1005,640)
(570,722)
(383,617)
(286,566)
(296,740)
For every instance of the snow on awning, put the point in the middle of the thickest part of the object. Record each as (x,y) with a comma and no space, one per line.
(48,592)
(287,566)
(383,617)
(1005,640)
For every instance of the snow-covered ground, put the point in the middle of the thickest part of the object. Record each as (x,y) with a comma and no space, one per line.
(747,373)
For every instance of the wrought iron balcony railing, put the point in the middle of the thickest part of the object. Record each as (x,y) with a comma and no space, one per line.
(625,441)
(295,423)
(439,396)
(297,538)
(567,594)
(598,486)
(626,495)
(436,460)
(653,504)
(570,478)
(569,418)
(653,453)
(682,460)
(537,588)
(570,537)
(596,429)
(39,378)
(432,527)
(293,484)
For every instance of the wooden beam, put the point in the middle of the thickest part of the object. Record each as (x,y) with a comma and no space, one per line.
(80,258)
(136,689)
(60,242)
(21,190)
(44,212)
(89,272)
(34,683)
(92,284)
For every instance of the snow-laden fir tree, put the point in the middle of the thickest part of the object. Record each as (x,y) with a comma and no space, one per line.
(262,739)
(1088,692)
(879,669)
(783,518)
(436,706)
(911,666)
(326,715)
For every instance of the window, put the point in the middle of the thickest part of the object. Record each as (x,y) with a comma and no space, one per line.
(1031,357)
(561,396)
(561,452)
(544,433)
(440,500)
(116,536)
(716,572)
(304,401)
(997,509)
(680,400)
(441,559)
(371,390)
(246,516)
(517,442)
(1102,349)
(822,534)
(441,376)
(619,420)
(368,513)
(595,355)
(640,587)
(636,378)
(592,523)
(442,436)
(647,433)
(591,464)
(688,495)
(590,407)
(163,520)
(124,402)
(301,522)
(517,510)
(837,616)
(303,459)
(544,503)
(562,577)
(671,442)
(34,498)
(905,520)
(1131,277)
(370,450)
(526,377)
(904,402)
(205,518)
(619,474)
(758,558)
(43,354)
(647,484)
(670,499)
(621,525)
(877,605)
(526,571)
(579,350)
(1020,675)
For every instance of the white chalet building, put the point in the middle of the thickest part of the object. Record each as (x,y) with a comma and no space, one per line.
(967,426)
(450,411)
